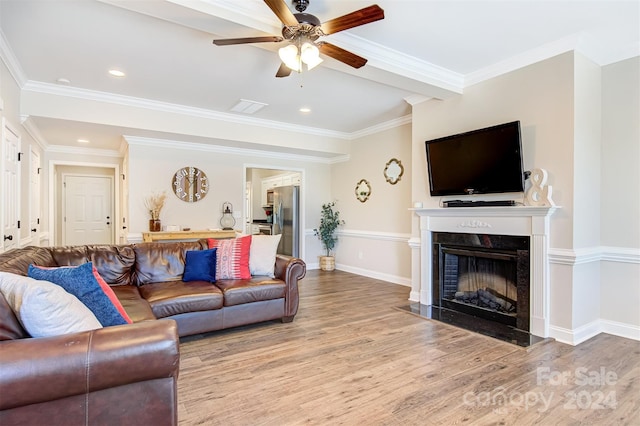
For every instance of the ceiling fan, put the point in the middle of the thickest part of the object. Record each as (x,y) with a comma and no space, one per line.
(302,30)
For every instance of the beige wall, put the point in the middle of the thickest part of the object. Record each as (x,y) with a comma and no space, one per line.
(580,122)
(620,154)
(586,153)
(541,97)
(373,241)
(151,170)
(620,197)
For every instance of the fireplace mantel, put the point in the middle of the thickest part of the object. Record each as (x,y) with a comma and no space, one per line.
(513,220)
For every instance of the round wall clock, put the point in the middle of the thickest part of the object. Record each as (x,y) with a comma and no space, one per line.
(190,184)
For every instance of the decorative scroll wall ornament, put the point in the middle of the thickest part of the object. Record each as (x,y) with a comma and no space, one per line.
(474,224)
(393,171)
(363,190)
(540,193)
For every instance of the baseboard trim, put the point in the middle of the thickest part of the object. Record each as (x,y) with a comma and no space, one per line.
(393,279)
(620,329)
(592,329)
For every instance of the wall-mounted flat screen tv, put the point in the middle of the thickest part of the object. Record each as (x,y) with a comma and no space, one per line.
(483,161)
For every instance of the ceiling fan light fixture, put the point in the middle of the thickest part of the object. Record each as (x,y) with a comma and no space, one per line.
(310,55)
(289,56)
(294,58)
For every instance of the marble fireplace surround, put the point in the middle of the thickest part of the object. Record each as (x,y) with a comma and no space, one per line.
(513,220)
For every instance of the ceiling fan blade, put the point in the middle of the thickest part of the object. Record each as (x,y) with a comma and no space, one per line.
(229,41)
(353,19)
(283,71)
(341,55)
(279,7)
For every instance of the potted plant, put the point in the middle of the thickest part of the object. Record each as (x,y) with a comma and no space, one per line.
(326,232)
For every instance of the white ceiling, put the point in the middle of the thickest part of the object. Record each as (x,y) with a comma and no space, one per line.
(422,47)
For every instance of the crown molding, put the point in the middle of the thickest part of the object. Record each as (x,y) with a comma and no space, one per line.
(601,55)
(93,95)
(193,146)
(123,148)
(380,127)
(393,61)
(416,99)
(33,131)
(10,60)
(97,96)
(522,60)
(73,150)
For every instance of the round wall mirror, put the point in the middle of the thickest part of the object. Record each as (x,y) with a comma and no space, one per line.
(363,190)
(393,171)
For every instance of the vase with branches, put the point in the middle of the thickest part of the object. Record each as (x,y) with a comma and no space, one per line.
(154,204)
(326,232)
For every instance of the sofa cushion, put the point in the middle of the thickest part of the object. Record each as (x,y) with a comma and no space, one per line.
(178,297)
(114,263)
(159,262)
(133,303)
(200,265)
(45,309)
(232,258)
(10,327)
(81,282)
(70,255)
(238,292)
(18,260)
(262,255)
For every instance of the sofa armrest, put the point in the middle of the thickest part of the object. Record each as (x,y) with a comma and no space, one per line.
(44,369)
(290,270)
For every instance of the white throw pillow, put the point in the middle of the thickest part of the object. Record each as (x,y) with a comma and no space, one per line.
(262,255)
(45,309)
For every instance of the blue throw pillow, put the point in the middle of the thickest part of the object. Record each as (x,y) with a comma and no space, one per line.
(81,282)
(200,265)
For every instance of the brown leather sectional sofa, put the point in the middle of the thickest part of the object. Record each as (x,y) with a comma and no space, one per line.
(131,371)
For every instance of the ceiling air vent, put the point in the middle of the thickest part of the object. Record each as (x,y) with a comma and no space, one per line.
(248,107)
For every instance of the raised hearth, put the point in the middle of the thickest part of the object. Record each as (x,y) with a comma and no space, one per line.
(475,324)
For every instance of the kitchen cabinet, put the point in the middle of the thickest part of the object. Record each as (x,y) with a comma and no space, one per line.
(285,179)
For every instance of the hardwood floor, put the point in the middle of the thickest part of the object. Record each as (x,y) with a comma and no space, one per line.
(351,358)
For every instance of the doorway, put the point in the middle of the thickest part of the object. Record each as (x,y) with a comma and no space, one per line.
(87,210)
(85,199)
(259,214)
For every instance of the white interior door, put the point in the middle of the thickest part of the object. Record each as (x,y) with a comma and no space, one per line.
(88,210)
(34,193)
(10,187)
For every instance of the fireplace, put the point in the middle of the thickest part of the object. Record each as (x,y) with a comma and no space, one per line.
(528,222)
(483,275)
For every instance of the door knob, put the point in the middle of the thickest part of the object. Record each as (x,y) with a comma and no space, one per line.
(8,237)
(34,230)
(108,223)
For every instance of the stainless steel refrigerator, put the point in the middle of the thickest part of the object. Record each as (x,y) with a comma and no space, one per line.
(286,219)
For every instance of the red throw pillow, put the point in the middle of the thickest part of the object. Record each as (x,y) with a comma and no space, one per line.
(232,257)
(111,295)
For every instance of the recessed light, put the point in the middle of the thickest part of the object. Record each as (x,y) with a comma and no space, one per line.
(83,140)
(116,73)
(305,110)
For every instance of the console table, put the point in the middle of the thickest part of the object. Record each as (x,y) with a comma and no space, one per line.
(148,237)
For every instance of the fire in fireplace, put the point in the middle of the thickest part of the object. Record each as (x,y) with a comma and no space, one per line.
(483,275)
